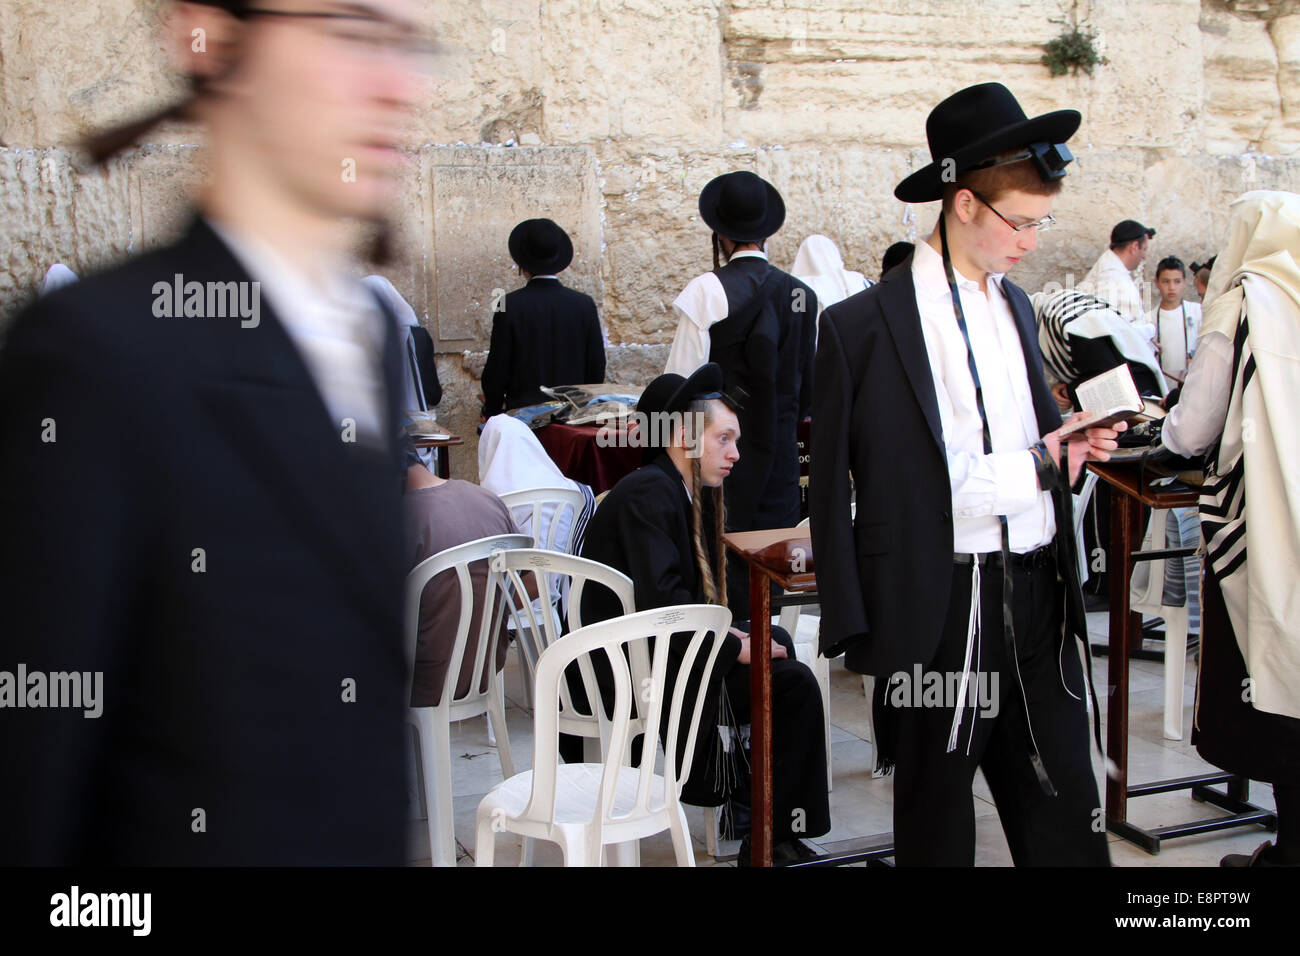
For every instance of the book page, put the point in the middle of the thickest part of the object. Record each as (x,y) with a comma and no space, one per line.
(1111,390)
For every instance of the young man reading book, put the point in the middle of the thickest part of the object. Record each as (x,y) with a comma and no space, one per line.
(930,394)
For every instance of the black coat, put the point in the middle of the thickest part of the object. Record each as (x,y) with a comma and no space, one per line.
(884,578)
(227,736)
(546,334)
(765,348)
(425,358)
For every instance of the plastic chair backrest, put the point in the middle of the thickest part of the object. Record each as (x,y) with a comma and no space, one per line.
(707,625)
(549,508)
(458,559)
(536,626)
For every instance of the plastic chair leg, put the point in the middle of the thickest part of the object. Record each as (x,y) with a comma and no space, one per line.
(484,841)
(497,719)
(623,854)
(441,813)
(437,784)
(681,838)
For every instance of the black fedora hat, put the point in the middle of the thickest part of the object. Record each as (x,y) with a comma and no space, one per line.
(974,125)
(540,247)
(671,392)
(742,206)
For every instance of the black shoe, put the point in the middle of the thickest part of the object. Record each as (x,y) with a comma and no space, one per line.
(1265,855)
(783,853)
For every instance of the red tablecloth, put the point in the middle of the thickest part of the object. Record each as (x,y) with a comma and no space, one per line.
(573,448)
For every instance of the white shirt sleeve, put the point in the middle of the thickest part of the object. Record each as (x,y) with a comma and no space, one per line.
(702,303)
(1003,483)
(1197,420)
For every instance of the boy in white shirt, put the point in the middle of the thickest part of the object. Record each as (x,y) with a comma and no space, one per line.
(1173,324)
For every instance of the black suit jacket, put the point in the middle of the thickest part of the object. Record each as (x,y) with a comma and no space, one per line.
(199,532)
(546,335)
(885,578)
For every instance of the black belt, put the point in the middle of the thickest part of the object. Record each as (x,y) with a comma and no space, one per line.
(1044,557)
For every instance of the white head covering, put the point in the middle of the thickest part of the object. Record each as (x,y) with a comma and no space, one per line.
(393,299)
(1264,238)
(58,276)
(510,458)
(819,265)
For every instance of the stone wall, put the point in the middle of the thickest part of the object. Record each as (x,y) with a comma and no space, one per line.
(610,115)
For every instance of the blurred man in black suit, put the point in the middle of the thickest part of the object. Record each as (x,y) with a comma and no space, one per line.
(202,484)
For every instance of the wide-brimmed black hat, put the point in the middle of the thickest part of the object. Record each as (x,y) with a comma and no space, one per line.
(974,125)
(671,392)
(742,206)
(1128,230)
(540,247)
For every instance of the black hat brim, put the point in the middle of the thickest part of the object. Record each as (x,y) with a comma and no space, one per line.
(540,266)
(770,224)
(926,184)
(705,381)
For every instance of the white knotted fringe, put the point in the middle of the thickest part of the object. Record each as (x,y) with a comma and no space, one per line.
(972,628)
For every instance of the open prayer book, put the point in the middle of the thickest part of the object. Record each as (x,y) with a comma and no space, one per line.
(1109,398)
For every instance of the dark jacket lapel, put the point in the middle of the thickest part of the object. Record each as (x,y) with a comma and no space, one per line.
(898,304)
(258,389)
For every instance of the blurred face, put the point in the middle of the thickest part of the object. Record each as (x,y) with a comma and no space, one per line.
(991,244)
(322,102)
(718,452)
(1170,283)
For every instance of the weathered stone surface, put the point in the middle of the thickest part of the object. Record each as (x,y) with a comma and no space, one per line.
(624,109)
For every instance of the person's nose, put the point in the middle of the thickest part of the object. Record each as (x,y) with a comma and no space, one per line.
(1028,239)
(733,453)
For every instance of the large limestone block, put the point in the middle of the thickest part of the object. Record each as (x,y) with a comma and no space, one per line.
(457,209)
(50,212)
(1242,102)
(488,84)
(72,67)
(642,70)
(826,71)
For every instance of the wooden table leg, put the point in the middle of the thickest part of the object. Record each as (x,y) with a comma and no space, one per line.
(760,717)
(1125,628)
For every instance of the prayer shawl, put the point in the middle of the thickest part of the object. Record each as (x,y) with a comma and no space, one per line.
(1073,313)
(820,266)
(1250,505)
(510,458)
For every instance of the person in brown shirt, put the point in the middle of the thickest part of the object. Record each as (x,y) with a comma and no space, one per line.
(442,514)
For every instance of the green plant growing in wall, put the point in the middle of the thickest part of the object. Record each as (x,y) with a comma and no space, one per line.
(1071,52)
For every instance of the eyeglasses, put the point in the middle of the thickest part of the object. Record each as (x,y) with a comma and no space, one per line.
(1042,225)
(366,35)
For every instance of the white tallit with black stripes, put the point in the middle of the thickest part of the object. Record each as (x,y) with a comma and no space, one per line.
(1069,312)
(1250,504)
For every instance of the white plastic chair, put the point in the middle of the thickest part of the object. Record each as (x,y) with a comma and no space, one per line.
(433,724)
(536,628)
(585,807)
(550,512)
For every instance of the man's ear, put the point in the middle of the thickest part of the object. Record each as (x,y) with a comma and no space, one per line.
(964,205)
(202,40)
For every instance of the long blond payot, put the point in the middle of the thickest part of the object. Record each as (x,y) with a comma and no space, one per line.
(713,577)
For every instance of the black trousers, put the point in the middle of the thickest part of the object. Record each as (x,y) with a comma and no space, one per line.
(934,817)
(800,802)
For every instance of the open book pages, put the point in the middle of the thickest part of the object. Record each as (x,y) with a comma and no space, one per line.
(1109,398)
